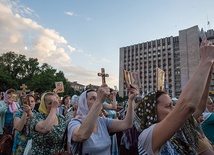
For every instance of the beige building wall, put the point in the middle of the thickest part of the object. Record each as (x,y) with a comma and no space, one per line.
(178,56)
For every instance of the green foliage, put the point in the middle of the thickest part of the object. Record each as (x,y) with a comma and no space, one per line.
(16,69)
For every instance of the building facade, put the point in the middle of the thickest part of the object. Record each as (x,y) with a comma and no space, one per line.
(77,87)
(178,56)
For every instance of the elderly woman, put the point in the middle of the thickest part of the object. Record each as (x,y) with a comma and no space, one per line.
(169,129)
(22,120)
(93,129)
(47,128)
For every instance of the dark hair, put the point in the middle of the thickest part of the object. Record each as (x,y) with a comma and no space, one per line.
(63,99)
(111,90)
(158,94)
(89,90)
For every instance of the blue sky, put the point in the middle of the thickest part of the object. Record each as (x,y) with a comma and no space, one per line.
(80,37)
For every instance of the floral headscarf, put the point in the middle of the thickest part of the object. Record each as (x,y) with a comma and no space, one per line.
(12,106)
(185,139)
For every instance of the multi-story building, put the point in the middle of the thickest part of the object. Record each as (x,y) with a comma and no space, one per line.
(77,86)
(178,56)
(94,87)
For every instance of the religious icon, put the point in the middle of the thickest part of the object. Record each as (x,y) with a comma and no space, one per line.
(160,79)
(59,87)
(132,78)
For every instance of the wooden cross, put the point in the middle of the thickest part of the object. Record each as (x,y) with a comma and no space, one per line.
(103,75)
(23,87)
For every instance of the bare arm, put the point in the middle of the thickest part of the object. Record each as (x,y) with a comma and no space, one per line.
(120,125)
(187,102)
(112,106)
(20,122)
(202,105)
(51,120)
(84,131)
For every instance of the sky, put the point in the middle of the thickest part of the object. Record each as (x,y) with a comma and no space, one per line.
(80,37)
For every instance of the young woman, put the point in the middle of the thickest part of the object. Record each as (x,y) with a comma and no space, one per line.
(22,120)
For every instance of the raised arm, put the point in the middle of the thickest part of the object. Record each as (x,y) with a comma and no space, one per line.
(51,120)
(188,100)
(121,125)
(113,105)
(202,105)
(19,123)
(84,131)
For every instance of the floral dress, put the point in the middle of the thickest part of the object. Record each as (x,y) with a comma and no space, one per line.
(46,144)
(21,138)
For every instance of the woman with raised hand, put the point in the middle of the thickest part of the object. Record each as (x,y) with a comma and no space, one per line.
(93,129)
(47,128)
(169,129)
(22,120)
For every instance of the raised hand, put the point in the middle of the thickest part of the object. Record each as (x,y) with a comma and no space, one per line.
(55,103)
(102,93)
(133,92)
(207,50)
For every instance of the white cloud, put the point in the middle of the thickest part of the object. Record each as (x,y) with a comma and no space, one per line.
(69,13)
(18,32)
(71,48)
(25,36)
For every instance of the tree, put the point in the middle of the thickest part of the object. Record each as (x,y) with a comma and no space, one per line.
(16,69)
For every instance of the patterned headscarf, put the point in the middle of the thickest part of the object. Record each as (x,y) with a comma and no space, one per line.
(186,138)
(12,106)
(83,109)
(146,111)
(42,106)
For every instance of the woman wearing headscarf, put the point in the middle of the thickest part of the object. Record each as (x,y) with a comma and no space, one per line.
(93,129)
(7,107)
(47,128)
(208,123)
(169,129)
(22,120)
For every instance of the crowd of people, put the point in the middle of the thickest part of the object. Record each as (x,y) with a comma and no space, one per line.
(91,124)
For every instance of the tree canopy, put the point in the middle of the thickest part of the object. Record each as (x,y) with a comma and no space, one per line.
(16,69)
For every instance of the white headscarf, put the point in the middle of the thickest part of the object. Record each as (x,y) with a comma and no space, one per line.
(74,99)
(82,110)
